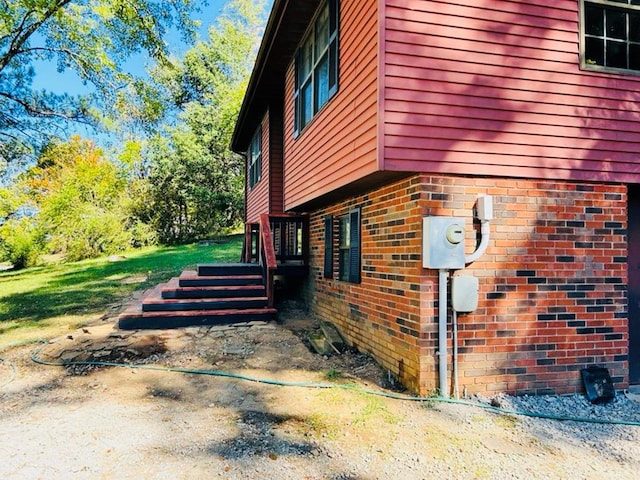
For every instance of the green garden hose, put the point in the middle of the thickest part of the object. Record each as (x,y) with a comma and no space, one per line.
(318,385)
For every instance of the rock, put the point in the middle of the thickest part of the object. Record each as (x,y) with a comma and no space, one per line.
(68,356)
(102,353)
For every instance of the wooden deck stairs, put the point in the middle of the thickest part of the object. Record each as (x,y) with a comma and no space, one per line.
(229,292)
(213,294)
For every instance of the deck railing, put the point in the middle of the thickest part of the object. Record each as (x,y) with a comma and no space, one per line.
(275,242)
(290,238)
(267,257)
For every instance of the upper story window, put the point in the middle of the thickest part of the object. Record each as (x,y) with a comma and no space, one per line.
(255,158)
(316,65)
(610,39)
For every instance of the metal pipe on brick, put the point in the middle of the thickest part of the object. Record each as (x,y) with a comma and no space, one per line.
(442,330)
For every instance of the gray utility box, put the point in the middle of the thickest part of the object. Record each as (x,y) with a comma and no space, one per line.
(464,293)
(443,242)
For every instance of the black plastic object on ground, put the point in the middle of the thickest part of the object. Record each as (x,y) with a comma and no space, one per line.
(598,384)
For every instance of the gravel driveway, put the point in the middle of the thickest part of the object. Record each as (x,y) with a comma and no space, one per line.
(93,422)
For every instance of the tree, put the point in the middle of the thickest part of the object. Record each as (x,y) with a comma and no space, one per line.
(196,181)
(92,38)
(81,201)
(21,242)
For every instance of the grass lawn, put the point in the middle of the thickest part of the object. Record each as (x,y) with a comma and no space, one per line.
(45,301)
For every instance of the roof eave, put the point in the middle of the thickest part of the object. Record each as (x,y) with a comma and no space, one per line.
(287,23)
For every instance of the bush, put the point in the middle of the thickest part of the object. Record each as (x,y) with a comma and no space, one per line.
(20,243)
(142,234)
(89,232)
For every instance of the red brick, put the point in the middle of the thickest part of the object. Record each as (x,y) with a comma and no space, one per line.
(520,318)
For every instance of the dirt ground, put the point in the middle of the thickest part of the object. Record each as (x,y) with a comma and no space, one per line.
(170,420)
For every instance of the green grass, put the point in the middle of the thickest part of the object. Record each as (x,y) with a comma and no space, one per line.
(333,374)
(50,298)
(374,409)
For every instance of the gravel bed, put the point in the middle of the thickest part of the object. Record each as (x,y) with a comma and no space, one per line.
(620,409)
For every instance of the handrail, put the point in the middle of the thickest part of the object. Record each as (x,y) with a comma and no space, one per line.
(250,244)
(269,263)
(245,256)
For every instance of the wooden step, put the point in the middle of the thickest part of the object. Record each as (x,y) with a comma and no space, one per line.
(227,269)
(134,318)
(173,290)
(190,278)
(153,302)
(214,294)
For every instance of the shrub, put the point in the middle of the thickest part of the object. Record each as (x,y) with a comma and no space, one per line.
(20,243)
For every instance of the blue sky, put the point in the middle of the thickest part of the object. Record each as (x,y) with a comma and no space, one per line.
(48,78)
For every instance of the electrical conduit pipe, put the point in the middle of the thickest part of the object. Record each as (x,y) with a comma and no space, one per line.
(443,297)
(443,275)
(484,243)
(442,324)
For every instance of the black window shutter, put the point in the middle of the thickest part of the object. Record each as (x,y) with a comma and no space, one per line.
(328,247)
(354,246)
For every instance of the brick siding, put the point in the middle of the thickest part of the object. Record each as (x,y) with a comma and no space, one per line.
(552,283)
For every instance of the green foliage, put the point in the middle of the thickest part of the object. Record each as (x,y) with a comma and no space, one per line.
(93,39)
(9,202)
(196,181)
(20,243)
(192,194)
(82,202)
(333,374)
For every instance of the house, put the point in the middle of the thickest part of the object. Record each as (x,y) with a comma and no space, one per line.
(368,116)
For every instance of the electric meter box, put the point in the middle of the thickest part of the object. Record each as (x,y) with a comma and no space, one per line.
(443,242)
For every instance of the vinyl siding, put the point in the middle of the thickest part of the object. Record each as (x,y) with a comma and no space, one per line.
(275,160)
(258,196)
(494,88)
(340,144)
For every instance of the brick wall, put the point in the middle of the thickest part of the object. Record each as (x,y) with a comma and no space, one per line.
(552,283)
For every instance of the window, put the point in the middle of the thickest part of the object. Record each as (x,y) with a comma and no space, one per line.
(255,158)
(349,247)
(610,39)
(344,247)
(316,75)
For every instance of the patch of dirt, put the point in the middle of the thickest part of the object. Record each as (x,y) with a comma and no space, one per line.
(238,402)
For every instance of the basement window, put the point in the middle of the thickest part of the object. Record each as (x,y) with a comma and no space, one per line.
(349,239)
(610,35)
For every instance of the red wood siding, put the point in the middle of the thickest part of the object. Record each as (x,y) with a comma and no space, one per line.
(258,196)
(494,88)
(275,160)
(340,144)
